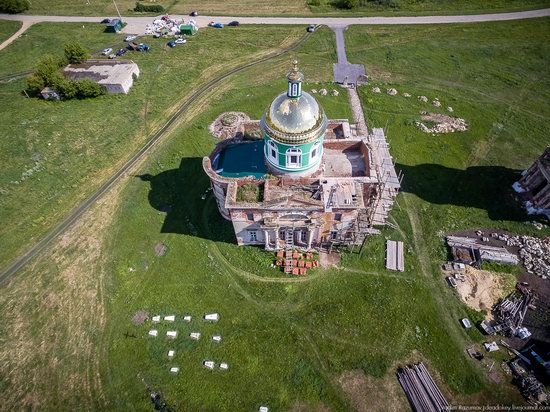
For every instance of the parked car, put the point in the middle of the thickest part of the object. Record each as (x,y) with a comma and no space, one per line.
(311,28)
(180,41)
(107,51)
(194,13)
(144,47)
(171,43)
(121,52)
(216,25)
(130,38)
(234,23)
(112,56)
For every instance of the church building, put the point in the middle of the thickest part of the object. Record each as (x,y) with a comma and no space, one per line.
(307,182)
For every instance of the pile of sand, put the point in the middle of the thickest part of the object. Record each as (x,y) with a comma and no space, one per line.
(481,289)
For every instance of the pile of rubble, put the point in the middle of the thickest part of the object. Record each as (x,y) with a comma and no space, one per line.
(443,124)
(534,253)
(226,124)
(391,92)
(166,26)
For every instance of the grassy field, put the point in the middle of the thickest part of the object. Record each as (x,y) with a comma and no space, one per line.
(61,151)
(287,7)
(332,340)
(7,28)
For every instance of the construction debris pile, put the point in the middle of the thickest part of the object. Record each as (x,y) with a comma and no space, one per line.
(421,390)
(469,250)
(227,124)
(166,26)
(531,388)
(510,314)
(534,253)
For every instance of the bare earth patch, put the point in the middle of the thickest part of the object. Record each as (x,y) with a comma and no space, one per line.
(367,393)
(160,249)
(327,260)
(481,289)
(139,317)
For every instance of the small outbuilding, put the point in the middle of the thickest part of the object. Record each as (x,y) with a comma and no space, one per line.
(116,76)
(114,26)
(188,29)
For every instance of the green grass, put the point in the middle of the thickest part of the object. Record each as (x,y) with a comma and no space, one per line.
(8,28)
(287,7)
(287,340)
(60,151)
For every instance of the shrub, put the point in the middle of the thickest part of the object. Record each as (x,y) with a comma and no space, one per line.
(314,3)
(349,4)
(67,88)
(87,88)
(35,84)
(75,52)
(13,6)
(144,8)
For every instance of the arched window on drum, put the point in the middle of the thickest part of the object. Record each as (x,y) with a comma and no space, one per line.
(272,152)
(293,158)
(315,151)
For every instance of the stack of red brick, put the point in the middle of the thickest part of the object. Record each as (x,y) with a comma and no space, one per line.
(300,262)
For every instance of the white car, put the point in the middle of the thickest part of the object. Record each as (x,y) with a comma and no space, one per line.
(106,52)
(130,38)
(180,41)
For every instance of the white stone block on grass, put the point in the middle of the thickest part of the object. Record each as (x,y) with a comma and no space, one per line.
(171,353)
(187,318)
(153,332)
(208,364)
(172,333)
(195,335)
(217,338)
(224,366)
(156,319)
(170,318)
(213,317)
(174,369)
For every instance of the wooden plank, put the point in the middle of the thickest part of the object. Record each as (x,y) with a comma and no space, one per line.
(391,247)
(400,257)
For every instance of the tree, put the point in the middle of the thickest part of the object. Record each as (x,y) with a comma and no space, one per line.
(35,84)
(76,53)
(349,4)
(13,6)
(48,69)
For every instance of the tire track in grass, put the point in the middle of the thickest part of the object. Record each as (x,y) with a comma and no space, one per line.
(77,212)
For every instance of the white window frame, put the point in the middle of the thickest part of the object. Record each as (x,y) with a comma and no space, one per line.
(294,152)
(272,147)
(314,152)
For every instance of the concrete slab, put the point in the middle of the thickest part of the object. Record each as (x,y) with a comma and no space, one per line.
(343,163)
(353,72)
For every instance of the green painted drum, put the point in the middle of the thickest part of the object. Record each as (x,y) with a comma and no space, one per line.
(294,126)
